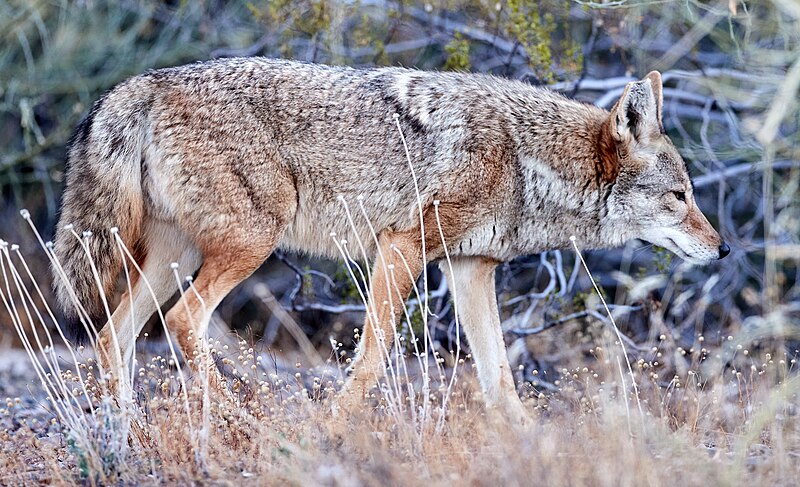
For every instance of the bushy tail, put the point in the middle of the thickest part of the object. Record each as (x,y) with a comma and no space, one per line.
(103,191)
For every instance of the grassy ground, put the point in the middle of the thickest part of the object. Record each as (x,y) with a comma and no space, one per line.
(711,425)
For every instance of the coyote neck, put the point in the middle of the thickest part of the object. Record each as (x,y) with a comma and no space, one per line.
(569,162)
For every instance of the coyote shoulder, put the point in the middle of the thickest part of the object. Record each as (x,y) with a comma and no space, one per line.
(215,165)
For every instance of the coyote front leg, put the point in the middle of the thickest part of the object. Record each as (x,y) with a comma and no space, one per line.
(391,283)
(472,286)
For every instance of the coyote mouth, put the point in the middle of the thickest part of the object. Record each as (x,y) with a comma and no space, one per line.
(675,248)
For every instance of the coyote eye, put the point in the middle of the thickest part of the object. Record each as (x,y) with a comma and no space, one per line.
(680,195)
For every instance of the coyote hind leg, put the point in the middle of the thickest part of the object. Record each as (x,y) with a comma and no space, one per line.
(225,265)
(162,245)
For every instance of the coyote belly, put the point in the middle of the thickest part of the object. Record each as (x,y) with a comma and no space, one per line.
(215,165)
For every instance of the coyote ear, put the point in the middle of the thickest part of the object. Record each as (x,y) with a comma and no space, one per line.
(637,114)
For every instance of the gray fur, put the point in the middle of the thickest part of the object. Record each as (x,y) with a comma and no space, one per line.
(238,156)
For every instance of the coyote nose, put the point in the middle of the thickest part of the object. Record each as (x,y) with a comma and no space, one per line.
(724,250)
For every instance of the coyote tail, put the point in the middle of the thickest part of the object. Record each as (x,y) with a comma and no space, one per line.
(103,191)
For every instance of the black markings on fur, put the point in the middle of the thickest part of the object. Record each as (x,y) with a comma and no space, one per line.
(76,332)
(405,116)
(117,144)
(257,199)
(85,127)
(81,135)
(76,146)
(633,119)
(604,196)
(413,83)
(598,179)
(382,85)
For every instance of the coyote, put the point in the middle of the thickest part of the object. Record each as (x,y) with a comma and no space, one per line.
(214,165)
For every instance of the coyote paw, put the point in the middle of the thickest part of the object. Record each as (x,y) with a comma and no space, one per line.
(511,413)
(347,403)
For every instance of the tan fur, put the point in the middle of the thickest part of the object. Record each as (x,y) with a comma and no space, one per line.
(214,165)
(476,302)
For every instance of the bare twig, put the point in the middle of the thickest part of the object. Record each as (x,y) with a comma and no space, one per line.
(571,317)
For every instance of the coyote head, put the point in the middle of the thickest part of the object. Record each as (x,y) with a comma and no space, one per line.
(653,196)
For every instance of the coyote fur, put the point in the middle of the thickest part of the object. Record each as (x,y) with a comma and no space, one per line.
(215,165)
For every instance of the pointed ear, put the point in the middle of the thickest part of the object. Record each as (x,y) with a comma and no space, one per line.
(637,114)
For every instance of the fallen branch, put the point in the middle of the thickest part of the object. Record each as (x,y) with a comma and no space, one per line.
(263,293)
(732,171)
(568,318)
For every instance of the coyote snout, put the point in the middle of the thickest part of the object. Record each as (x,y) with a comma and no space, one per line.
(693,238)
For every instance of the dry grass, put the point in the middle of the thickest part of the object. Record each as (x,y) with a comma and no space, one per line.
(696,429)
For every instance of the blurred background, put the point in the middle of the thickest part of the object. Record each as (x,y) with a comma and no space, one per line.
(731,71)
